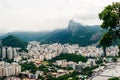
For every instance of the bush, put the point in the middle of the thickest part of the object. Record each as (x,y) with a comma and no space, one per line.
(70,57)
(114,78)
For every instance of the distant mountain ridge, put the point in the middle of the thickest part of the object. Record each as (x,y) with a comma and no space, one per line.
(28,35)
(75,33)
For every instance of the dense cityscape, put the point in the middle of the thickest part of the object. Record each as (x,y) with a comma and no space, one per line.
(45,61)
(59,40)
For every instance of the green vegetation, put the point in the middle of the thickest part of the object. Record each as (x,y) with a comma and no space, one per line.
(99,61)
(30,35)
(114,59)
(65,77)
(9,60)
(29,66)
(3,78)
(111,22)
(114,78)
(70,57)
(23,50)
(33,68)
(88,70)
(76,34)
(13,42)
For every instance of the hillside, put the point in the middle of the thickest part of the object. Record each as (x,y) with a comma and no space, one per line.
(76,34)
(28,36)
(13,41)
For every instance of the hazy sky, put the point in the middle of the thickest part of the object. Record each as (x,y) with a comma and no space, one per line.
(44,15)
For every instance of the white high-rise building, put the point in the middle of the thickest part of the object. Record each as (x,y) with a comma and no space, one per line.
(17,68)
(14,52)
(41,58)
(9,53)
(7,69)
(3,52)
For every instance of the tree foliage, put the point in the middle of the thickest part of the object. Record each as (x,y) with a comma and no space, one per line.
(70,57)
(114,78)
(13,41)
(111,22)
(88,70)
(29,66)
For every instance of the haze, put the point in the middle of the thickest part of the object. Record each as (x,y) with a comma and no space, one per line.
(47,15)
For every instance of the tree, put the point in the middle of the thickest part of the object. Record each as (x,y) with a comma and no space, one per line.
(114,78)
(111,22)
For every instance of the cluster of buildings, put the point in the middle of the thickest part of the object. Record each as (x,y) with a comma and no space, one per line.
(75,66)
(12,78)
(7,69)
(90,51)
(7,52)
(41,52)
(60,72)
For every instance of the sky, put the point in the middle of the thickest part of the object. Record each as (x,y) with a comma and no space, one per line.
(47,15)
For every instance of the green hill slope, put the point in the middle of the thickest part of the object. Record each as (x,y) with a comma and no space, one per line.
(76,34)
(13,41)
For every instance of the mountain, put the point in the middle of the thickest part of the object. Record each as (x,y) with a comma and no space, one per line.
(28,36)
(76,33)
(13,41)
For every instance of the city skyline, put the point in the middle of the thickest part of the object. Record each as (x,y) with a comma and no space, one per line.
(39,15)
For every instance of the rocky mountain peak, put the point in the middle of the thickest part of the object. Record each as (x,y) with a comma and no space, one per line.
(74,26)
